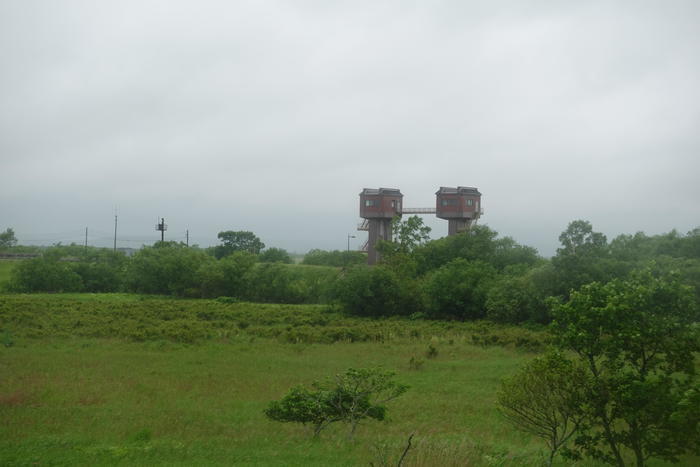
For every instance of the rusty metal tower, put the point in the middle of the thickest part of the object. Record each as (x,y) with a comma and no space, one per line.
(378,206)
(460,206)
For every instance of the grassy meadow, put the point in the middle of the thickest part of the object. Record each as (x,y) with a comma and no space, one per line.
(91,379)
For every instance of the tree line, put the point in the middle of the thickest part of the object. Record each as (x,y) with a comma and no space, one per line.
(240,267)
(474,275)
(477,274)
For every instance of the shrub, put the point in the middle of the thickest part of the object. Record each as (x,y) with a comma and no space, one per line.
(458,289)
(226,277)
(275,255)
(166,268)
(545,399)
(356,395)
(335,258)
(45,274)
(372,291)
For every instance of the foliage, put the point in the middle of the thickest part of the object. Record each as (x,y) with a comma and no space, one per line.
(225,277)
(516,298)
(167,268)
(241,240)
(335,258)
(148,318)
(7,239)
(372,291)
(581,259)
(545,399)
(45,274)
(70,269)
(356,395)
(497,279)
(458,289)
(101,270)
(407,235)
(276,283)
(637,339)
(275,255)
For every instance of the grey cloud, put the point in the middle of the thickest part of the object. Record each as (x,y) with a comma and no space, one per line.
(213,113)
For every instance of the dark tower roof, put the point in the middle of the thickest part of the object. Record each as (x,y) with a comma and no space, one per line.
(460,190)
(381,191)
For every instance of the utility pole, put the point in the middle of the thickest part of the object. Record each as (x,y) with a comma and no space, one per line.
(86,239)
(115,233)
(162,228)
(187,237)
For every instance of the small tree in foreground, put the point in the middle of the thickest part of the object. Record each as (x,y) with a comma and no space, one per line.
(638,340)
(356,395)
(545,399)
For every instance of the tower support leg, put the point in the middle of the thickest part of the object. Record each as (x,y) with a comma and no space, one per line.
(379,229)
(455,226)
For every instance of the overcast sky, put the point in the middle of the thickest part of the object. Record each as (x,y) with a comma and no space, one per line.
(271,116)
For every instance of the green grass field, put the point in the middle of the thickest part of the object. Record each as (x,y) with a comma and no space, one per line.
(82,383)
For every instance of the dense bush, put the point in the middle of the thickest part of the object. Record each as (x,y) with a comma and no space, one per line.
(356,395)
(70,269)
(276,283)
(45,274)
(335,258)
(275,255)
(373,291)
(167,268)
(281,283)
(459,289)
(467,276)
(226,277)
(516,298)
(480,243)
(101,270)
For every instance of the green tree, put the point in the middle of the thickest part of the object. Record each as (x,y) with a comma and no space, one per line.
(46,273)
(544,398)
(372,291)
(407,236)
(168,268)
(583,257)
(237,241)
(8,239)
(459,289)
(351,397)
(409,233)
(276,283)
(637,339)
(479,243)
(275,255)
(513,298)
(226,277)
(100,269)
